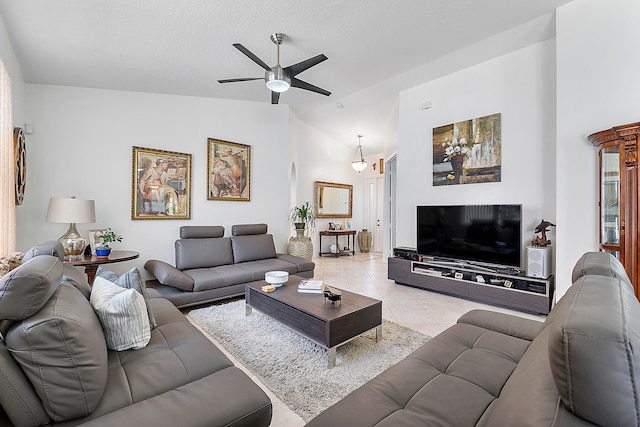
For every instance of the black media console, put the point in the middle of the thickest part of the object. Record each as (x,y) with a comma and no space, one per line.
(507,288)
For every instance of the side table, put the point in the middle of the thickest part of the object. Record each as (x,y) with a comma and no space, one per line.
(91,262)
(351,248)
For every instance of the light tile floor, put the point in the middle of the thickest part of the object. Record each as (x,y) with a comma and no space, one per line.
(424,311)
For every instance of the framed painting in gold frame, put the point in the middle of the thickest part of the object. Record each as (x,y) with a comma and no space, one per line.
(228,170)
(161,184)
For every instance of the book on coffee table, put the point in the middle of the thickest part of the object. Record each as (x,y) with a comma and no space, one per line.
(310,286)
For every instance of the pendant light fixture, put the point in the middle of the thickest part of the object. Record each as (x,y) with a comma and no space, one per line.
(358,163)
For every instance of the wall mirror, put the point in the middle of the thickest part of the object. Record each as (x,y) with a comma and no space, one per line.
(333,200)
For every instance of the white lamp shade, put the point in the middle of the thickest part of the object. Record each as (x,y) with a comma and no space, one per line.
(71,210)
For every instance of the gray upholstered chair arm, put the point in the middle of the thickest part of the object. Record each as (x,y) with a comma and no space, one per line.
(515,326)
(169,275)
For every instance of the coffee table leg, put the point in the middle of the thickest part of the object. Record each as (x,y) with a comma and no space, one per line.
(378,333)
(247,310)
(331,357)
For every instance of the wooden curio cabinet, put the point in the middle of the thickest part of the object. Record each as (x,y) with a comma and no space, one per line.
(619,230)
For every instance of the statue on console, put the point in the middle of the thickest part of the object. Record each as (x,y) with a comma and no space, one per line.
(542,228)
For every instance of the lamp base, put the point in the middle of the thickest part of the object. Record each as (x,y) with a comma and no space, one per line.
(73,243)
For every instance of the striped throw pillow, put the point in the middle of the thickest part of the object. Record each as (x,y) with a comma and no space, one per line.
(123,315)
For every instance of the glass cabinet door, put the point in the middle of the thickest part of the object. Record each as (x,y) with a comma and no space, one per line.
(610,199)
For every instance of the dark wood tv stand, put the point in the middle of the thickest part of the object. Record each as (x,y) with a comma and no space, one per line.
(511,289)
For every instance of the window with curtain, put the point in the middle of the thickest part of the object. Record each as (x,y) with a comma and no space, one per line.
(7,168)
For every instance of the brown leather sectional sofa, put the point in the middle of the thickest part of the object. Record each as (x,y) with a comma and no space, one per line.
(210,267)
(55,369)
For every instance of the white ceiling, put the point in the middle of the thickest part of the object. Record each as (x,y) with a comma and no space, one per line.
(183,47)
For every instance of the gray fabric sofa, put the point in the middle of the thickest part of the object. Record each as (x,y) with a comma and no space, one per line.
(210,267)
(578,368)
(65,376)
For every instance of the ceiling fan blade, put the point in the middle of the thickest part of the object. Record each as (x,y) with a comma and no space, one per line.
(295,69)
(240,80)
(275,97)
(251,56)
(300,84)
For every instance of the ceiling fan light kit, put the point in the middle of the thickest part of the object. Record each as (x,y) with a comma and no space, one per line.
(359,164)
(278,79)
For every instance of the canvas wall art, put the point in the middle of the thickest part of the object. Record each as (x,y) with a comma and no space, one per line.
(161,184)
(228,170)
(468,152)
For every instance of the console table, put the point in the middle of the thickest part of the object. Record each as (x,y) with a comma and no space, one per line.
(351,236)
(91,262)
(508,289)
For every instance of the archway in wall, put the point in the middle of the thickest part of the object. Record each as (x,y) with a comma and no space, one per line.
(293,190)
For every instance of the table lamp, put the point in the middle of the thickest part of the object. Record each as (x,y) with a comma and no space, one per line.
(73,211)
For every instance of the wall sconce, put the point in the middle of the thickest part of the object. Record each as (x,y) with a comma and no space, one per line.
(359,164)
(73,211)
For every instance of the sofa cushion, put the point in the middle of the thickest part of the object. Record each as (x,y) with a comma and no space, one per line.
(593,351)
(201,231)
(77,278)
(599,264)
(529,398)
(130,280)
(252,248)
(248,229)
(48,247)
(62,351)
(203,253)
(451,380)
(123,315)
(26,289)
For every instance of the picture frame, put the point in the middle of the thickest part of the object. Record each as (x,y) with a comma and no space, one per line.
(93,239)
(228,171)
(161,184)
(468,151)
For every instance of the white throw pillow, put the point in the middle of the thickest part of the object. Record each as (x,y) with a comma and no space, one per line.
(123,315)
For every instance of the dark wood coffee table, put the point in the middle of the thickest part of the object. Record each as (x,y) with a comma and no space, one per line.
(328,325)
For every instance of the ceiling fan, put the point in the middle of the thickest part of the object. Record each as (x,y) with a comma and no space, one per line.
(279,79)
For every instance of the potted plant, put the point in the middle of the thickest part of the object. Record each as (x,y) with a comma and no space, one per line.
(303,217)
(102,247)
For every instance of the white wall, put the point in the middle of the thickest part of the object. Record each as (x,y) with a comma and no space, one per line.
(520,86)
(82,145)
(320,158)
(598,86)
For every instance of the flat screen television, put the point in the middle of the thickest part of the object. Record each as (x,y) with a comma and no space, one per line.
(484,234)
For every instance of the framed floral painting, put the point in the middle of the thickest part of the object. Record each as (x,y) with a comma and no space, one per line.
(161,184)
(468,152)
(228,170)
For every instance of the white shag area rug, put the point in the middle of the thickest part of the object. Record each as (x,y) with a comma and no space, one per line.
(293,367)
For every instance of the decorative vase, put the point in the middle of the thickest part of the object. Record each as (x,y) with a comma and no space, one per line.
(364,240)
(300,245)
(103,252)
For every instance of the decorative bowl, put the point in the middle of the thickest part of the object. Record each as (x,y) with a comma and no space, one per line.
(276,278)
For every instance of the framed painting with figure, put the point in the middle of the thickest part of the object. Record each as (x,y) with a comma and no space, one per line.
(228,170)
(468,152)
(161,184)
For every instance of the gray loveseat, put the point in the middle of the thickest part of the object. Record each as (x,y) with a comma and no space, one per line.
(55,369)
(578,368)
(210,267)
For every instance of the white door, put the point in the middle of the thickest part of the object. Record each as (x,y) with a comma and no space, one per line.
(374,211)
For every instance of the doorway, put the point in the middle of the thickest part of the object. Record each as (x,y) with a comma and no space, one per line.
(374,215)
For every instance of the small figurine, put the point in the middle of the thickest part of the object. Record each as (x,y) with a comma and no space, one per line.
(542,228)
(334,296)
